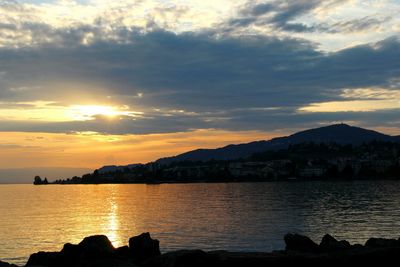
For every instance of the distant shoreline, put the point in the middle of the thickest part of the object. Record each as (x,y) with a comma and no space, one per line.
(302,161)
(238,182)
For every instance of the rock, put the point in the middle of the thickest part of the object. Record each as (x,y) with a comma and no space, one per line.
(357,246)
(382,243)
(300,243)
(123,252)
(329,244)
(91,248)
(72,253)
(44,259)
(143,247)
(143,251)
(96,246)
(183,258)
(5,264)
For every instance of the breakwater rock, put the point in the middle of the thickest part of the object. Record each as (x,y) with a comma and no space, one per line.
(5,264)
(143,251)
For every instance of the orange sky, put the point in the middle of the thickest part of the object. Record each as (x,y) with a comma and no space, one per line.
(91,150)
(90,83)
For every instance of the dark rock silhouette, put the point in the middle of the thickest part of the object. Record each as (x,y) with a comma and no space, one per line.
(123,252)
(45,259)
(143,251)
(144,247)
(97,245)
(382,243)
(98,251)
(329,244)
(72,252)
(296,242)
(192,258)
(5,264)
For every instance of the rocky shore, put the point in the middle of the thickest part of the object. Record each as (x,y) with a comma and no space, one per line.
(143,251)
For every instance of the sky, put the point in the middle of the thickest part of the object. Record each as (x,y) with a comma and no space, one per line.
(90,83)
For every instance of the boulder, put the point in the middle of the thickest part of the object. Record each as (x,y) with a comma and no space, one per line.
(329,244)
(183,258)
(44,259)
(300,243)
(72,252)
(382,243)
(357,246)
(143,247)
(5,264)
(95,246)
(123,252)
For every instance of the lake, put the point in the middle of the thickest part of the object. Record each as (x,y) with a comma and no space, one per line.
(235,216)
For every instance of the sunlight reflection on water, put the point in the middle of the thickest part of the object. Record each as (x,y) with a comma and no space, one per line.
(243,216)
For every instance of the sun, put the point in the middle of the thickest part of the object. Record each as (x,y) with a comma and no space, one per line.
(89,112)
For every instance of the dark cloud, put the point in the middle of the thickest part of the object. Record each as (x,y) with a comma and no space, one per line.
(162,65)
(357,25)
(122,125)
(292,119)
(267,120)
(281,15)
(228,83)
(277,14)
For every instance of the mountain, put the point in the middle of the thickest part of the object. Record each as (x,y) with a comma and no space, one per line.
(114,168)
(338,133)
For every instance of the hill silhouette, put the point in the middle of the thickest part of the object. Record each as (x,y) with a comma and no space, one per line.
(334,152)
(337,133)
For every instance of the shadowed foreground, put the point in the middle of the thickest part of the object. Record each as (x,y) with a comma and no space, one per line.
(97,251)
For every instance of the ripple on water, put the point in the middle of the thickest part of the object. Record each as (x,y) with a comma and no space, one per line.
(237,217)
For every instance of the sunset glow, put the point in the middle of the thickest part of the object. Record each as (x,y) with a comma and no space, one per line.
(119,82)
(352,106)
(80,112)
(199,132)
(90,149)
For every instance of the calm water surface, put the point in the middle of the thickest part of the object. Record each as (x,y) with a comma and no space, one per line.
(242,216)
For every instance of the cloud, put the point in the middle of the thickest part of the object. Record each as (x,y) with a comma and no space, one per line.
(278,14)
(158,64)
(181,67)
(300,17)
(358,25)
(208,78)
(28,24)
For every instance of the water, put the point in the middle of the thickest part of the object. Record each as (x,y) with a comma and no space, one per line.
(237,217)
